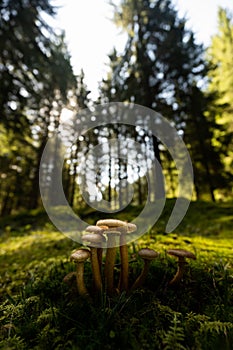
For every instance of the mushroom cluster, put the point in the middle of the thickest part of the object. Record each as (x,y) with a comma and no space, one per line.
(109,234)
(106,236)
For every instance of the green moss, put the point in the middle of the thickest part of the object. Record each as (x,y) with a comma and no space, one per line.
(38,311)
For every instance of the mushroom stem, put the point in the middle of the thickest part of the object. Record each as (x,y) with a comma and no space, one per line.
(141,278)
(100,256)
(109,264)
(94,241)
(82,290)
(79,257)
(96,270)
(124,273)
(179,273)
(122,228)
(147,255)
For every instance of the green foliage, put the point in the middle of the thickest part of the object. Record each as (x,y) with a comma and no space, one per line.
(175,336)
(39,311)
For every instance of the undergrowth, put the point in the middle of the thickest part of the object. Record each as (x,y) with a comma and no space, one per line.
(39,311)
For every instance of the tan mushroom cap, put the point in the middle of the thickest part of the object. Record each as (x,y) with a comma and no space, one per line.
(94,229)
(80,255)
(131,227)
(181,253)
(125,229)
(103,228)
(148,254)
(111,223)
(93,238)
(70,277)
(117,225)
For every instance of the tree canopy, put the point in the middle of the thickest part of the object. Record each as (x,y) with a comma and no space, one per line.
(161,67)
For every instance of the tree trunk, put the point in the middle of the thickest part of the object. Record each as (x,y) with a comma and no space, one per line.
(35,190)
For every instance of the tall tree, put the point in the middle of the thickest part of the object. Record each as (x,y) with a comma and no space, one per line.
(199,137)
(47,107)
(160,64)
(36,76)
(220,55)
(162,68)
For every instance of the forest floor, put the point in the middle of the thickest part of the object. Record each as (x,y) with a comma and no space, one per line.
(39,311)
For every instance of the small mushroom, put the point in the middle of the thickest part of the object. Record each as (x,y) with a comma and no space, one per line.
(79,257)
(94,240)
(181,254)
(147,255)
(70,278)
(99,230)
(71,281)
(120,227)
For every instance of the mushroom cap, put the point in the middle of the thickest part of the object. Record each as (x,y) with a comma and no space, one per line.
(103,227)
(148,254)
(125,229)
(94,229)
(93,238)
(80,255)
(111,223)
(69,278)
(181,253)
(128,228)
(131,227)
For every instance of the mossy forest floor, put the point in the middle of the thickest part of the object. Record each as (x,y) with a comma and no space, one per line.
(39,311)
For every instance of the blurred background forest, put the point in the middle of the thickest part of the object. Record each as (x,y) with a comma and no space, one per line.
(161,67)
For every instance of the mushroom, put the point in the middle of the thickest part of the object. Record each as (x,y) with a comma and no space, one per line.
(115,227)
(69,278)
(95,240)
(79,257)
(71,281)
(99,230)
(181,254)
(147,255)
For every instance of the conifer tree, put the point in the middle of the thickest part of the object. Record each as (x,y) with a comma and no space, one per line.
(220,55)
(162,68)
